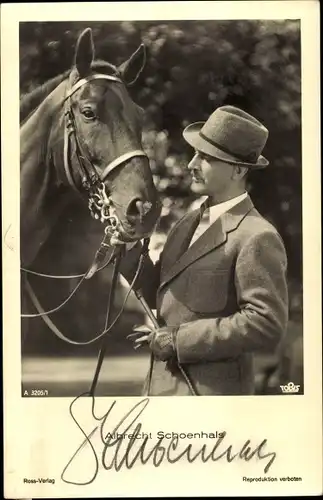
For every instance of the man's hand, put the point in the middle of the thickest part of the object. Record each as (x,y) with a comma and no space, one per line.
(160,341)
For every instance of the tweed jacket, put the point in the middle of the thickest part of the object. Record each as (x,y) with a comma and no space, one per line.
(226,293)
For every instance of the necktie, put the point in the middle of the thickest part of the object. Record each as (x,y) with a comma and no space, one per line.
(203,225)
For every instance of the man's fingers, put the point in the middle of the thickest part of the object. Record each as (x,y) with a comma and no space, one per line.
(142,339)
(141,342)
(134,335)
(139,330)
(143,328)
(137,346)
(139,339)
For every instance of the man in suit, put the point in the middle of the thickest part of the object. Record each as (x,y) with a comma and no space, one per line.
(219,286)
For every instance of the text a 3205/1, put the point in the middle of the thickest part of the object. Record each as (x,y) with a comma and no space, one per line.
(35,392)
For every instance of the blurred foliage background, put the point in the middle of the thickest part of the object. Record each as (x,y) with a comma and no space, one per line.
(192,68)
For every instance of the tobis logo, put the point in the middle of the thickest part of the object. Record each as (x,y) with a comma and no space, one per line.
(290,388)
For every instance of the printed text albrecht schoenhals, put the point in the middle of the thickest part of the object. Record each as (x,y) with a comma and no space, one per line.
(118,453)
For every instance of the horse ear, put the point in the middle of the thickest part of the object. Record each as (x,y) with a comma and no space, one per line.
(84,53)
(132,68)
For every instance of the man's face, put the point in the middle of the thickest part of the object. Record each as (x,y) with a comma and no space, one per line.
(210,177)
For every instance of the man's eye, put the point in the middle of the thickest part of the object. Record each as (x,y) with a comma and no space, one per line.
(201,156)
(206,158)
(88,114)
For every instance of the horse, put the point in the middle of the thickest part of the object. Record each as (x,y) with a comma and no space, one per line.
(84,178)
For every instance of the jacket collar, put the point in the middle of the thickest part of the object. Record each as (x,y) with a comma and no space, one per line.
(179,255)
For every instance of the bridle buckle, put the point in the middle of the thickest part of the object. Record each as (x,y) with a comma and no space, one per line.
(112,224)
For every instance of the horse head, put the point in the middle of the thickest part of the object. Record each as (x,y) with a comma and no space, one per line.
(88,132)
(108,126)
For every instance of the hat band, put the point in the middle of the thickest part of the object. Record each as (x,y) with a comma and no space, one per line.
(245,159)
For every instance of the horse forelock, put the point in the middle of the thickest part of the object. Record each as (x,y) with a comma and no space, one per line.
(29,102)
(104,67)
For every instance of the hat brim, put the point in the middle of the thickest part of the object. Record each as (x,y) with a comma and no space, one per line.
(192,136)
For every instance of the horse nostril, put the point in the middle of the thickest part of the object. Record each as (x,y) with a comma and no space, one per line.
(134,208)
(138,209)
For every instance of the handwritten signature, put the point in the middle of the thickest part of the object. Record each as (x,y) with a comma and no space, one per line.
(118,452)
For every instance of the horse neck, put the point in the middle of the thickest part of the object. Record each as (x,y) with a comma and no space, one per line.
(42,197)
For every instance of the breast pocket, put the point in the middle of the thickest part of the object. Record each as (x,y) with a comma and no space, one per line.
(207,292)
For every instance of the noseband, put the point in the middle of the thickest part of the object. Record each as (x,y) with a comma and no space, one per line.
(92,181)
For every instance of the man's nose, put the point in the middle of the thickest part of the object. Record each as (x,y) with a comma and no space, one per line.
(193,164)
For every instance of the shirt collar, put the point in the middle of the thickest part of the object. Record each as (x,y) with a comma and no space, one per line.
(217,210)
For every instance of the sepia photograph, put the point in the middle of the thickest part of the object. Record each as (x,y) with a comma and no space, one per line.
(161,188)
(160,132)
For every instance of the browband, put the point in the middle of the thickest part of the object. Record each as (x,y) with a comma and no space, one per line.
(97,76)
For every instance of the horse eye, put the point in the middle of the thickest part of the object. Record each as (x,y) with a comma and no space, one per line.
(88,114)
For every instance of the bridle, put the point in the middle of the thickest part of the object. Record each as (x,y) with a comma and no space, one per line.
(99,205)
(92,181)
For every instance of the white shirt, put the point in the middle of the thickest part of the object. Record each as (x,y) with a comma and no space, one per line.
(210,215)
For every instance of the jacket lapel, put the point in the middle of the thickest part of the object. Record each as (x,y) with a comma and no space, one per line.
(179,239)
(213,237)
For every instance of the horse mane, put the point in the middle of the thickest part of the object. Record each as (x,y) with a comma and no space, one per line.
(29,102)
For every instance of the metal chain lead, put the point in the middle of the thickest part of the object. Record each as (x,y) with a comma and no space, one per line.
(99,203)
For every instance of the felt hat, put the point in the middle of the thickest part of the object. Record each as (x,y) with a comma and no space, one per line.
(231,135)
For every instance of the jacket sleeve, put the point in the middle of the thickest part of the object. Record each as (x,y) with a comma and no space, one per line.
(261,320)
(148,279)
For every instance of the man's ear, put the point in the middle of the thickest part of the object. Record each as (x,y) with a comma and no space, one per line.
(84,53)
(239,172)
(131,69)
